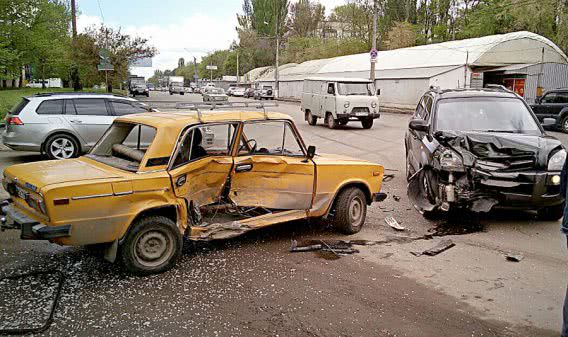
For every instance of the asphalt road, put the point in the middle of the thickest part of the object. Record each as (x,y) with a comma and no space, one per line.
(252,285)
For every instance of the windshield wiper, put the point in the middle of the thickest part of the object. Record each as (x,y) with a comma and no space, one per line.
(494,130)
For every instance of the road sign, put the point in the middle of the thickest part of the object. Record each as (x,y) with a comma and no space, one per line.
(211,67)
(105,67)
(374,54)
(105,64)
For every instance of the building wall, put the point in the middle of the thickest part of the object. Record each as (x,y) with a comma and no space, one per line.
(449,80)
(401,93)
(554,76)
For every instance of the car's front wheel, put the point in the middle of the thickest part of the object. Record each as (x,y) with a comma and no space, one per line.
(330,121)
(61,146)
(152,246)
(367,123)
(350,210)
(552,213)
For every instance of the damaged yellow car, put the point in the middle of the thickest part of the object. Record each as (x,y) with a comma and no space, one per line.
(154,178)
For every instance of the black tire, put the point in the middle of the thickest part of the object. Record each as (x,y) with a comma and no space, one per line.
(330,121)
(552,213)
(312,120)
(68,145)
(148,95)
(171,93)
(138,251)
(564,124)
(182,93)
(343,122)
(350,210)
(367,123)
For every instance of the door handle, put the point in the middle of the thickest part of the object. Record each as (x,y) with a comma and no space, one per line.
(75,121)
(243,168)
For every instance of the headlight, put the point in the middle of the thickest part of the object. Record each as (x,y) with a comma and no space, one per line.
(346,104)
(374,105)
(451,161)
(556,162)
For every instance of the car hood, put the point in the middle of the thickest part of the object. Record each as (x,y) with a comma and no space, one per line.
(496,146)
(38,175)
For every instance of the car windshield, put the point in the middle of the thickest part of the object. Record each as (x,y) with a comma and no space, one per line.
(124,145)
(485,114)
(354,88)
(267,87)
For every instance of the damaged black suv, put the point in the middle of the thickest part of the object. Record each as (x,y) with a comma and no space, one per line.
(478,149)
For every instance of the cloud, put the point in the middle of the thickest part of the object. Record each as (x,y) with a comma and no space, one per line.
(331,4)
(195,36)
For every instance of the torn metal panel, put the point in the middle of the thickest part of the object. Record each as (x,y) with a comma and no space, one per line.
(437,249)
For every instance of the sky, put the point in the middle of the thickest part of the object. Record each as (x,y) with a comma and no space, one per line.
(177,28)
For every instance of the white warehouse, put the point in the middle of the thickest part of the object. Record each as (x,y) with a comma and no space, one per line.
(403,75)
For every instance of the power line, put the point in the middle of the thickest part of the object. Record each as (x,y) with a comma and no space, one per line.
(101,10)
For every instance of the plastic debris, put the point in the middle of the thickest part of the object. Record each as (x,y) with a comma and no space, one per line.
(514,257)
(391,221)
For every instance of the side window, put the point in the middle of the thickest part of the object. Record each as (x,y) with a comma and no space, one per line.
(70,107)
(50,107)
(562,98)
(427,107)
(91,107)
(122,108)
(205,140)
(549,98)
(420,109)
(330,89)
(269,138)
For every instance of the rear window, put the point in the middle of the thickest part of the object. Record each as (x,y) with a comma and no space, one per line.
(50,107)
(91,107)
(19,107)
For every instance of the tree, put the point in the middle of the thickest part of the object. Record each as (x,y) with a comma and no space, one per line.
(305,17)
(401,35)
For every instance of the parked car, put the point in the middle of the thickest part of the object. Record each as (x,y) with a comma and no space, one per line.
(232,88)
(239,92)
(151,86)
(553,104)
(479,149)
(265,92)
(64,125)
(215,95)
(339,101)
(249,92)
(140,202)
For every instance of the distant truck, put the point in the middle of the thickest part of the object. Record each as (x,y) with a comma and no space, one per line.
(137,86)
(49,83)
(175,85)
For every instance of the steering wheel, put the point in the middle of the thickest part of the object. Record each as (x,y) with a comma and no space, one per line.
(247,144)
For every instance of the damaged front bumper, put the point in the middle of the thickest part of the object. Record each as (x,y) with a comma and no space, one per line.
(30,229)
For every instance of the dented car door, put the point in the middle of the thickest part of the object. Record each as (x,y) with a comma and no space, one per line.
(271,169)
(203,162)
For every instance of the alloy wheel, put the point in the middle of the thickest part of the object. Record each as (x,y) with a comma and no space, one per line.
(62,148)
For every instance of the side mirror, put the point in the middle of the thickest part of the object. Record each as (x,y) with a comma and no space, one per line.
(548,123)
(378,92)
(311,152)
(418,125)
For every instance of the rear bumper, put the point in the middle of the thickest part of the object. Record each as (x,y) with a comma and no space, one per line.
(22,140)
(30,229)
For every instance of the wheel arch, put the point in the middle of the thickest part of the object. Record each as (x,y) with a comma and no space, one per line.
(354,183)
(169,211)
(64,132)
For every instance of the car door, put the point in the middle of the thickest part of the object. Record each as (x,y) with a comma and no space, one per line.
(414,141)
(271,169)
(202,162)
(89,117)
(546,107)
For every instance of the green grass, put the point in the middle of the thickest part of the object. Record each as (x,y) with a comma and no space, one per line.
(9,97)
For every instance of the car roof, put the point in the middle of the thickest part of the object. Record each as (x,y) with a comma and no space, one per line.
(69,95)
(470,92)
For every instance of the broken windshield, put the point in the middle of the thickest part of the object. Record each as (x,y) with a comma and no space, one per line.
(485,114)
(355,88)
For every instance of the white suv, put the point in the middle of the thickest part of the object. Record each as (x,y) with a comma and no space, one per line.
(64,125)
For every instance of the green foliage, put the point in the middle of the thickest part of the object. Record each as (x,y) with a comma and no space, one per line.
(300,49)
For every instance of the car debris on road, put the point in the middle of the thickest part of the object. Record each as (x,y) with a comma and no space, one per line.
(391,221)
(437,249)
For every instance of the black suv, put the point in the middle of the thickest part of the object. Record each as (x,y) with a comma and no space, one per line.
(479,148)
(553,104)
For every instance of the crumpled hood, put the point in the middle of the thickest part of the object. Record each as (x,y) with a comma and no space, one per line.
(499,146)
(44,173)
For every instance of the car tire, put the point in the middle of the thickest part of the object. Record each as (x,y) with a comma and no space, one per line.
(312,120)
(552,213)
(330,121)
(343,122)
(350,211)
(61,146)
(151,246)
(171,93)
(182,93)
(367,123)
(148,95)
(564,124)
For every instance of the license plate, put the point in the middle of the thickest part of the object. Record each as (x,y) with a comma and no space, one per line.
(361,114)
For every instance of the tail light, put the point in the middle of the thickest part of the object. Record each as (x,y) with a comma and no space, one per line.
(14,121)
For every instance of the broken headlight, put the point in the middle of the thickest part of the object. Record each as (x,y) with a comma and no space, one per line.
(557,160)
(451,161)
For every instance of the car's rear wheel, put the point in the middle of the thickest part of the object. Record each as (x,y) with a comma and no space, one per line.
(61,146)
(312,120)
(367,123)
(564,124)
(552,213)
(350,210)
(330,121)
(152,246)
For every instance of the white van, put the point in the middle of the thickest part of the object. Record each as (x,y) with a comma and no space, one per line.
(340,100)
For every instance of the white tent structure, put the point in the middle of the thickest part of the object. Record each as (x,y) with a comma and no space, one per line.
(404,74)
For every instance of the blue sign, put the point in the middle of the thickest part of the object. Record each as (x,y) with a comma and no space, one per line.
(374,53)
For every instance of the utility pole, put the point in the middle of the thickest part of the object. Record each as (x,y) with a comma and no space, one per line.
(276,84)
(74,71)
(374,43)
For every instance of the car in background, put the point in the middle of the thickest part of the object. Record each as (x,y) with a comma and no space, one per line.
(176,88)
(140,89)
(553,104)
(239,92)
(139,203)
(64,125)
(49,83)
(249,93)
(479,149)
(266,92)
(215,95)
(151,86)
(229,91)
